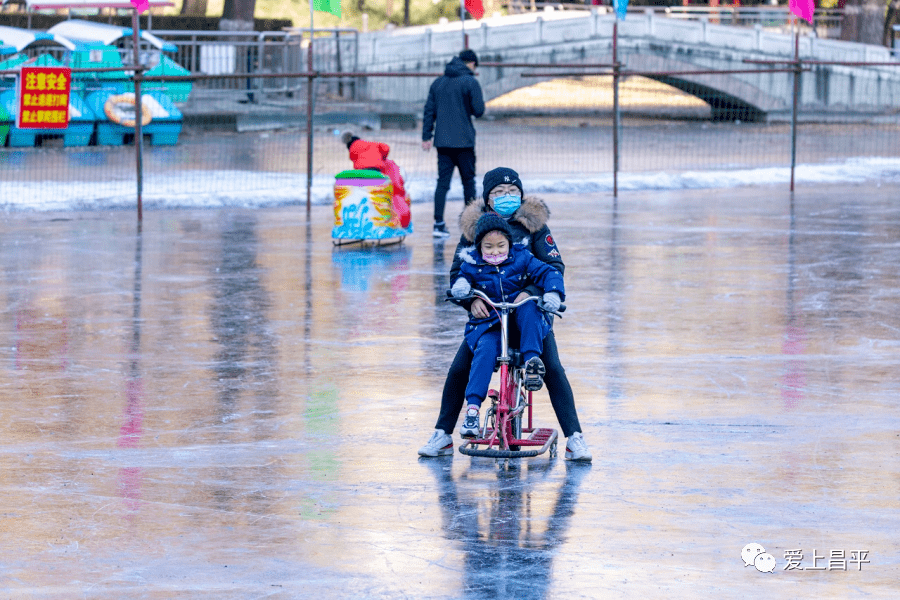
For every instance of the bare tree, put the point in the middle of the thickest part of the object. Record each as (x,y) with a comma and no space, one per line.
(194,8)
(892,18)
(237,15)
(863,21)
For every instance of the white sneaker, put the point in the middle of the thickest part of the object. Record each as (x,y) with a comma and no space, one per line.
(471,426)
(440,444)
(576,448)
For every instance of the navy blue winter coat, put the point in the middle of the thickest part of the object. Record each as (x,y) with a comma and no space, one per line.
(453,100)
(503,282)
(529,228)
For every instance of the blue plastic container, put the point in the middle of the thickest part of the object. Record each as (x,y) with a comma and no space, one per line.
(163,129)
(78,133)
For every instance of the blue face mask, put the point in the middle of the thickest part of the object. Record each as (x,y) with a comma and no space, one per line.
(507,205)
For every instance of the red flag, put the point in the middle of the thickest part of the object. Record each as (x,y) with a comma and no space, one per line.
(476,8)
(803,9)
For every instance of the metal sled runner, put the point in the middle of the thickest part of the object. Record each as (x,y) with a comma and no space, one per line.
(502,435)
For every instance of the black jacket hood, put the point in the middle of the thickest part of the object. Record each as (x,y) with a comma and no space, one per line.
(456,68)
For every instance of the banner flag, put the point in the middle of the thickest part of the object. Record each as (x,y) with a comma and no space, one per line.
(803,9)
(329,6)
(621,7)
(475,8)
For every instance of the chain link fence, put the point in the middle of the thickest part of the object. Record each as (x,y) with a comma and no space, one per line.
(244,136)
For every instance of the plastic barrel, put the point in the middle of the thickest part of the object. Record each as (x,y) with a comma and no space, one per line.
(363,209)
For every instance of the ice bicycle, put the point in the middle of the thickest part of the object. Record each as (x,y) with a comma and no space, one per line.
(503,428)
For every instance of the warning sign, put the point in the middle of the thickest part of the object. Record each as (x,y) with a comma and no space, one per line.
(44,98)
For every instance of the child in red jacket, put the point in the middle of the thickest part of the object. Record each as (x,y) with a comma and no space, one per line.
(373,156)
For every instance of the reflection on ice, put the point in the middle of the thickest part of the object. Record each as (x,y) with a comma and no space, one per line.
(510,535)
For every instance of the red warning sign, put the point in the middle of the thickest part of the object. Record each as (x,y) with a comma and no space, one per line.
(44,98)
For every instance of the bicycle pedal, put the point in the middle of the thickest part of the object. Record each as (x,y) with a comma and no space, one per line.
(534,377)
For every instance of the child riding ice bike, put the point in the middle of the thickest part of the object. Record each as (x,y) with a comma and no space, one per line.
(502,271)
(501,434)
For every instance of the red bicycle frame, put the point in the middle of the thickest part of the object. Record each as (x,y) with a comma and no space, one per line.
(504,439)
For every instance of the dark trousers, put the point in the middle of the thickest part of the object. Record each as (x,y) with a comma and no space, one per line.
(528,321)
(561,397)
(448,159)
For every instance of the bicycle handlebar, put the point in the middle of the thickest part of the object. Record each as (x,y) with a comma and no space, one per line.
(508,305)
(502,305)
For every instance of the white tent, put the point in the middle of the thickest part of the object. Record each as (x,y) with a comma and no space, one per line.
(21,38)
(79,4)
(88,31)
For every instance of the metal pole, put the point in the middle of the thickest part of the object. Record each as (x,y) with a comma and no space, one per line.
(138,114)
(615,43)
(462,20)
(337,56)
(796,99)
(309,115)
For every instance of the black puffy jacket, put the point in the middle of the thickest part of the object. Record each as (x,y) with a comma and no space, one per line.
(453,99)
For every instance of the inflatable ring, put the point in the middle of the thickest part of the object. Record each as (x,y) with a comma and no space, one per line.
(117,110)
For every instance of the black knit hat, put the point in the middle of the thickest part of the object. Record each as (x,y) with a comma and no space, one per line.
(491,222)
(348,138)
(468,56)
(499,176)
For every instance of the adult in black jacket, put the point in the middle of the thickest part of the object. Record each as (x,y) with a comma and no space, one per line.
(527,217)
(453,99)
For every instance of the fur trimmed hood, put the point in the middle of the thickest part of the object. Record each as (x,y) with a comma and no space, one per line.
(533,214)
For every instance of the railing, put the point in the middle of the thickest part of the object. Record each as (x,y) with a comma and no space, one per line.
(268,52)
(826,21)
(521,6)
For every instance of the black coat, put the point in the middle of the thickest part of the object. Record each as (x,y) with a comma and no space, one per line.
(453,100)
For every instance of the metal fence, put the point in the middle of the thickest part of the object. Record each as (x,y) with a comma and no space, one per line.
(264,53)
(574,132)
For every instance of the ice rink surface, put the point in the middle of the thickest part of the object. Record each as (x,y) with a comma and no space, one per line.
(224,405)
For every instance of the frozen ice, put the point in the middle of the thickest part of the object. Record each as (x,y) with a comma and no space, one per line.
(222,404)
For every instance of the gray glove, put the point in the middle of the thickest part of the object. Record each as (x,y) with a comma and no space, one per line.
(462,288)
(552,301)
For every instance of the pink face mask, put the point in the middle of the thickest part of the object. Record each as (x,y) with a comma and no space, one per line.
(495,259)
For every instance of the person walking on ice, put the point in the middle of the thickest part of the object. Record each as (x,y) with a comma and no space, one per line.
(453,99)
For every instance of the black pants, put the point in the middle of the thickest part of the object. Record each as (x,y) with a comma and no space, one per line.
(557,383)
(448,159)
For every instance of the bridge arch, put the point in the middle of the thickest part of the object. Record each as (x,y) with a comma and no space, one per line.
(651,45)
(730,96)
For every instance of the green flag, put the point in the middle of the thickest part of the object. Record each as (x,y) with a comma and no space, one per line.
(329,6)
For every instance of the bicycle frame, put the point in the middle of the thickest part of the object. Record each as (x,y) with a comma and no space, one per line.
(502,431)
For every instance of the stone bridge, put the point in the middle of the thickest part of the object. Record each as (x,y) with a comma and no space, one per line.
(645,43)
